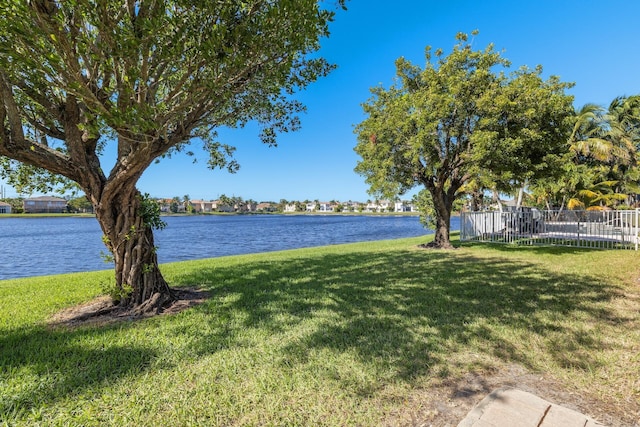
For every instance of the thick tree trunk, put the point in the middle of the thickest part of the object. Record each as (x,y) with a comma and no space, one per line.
(442,206)
(520,197)
(477,200)
(138,279)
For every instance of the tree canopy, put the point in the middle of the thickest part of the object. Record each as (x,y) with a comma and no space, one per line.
(458,119)
(149,77)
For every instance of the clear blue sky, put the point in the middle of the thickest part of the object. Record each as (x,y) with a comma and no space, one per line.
(592,43)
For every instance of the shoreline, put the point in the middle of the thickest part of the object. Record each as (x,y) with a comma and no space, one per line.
(165,214)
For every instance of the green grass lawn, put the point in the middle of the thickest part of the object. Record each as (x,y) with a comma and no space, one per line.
(338,335)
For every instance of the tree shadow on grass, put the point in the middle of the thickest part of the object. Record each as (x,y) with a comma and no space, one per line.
(54,364)
(403,313)
(407,311)
(534,249)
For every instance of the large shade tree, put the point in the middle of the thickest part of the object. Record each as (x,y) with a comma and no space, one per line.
(461,119)
(148,77)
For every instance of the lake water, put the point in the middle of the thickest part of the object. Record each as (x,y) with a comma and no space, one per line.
(55,245)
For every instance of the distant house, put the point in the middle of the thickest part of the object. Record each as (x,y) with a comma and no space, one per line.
(405,206)
(373,207)
(266,207)
(387,206)
(325,207)
(201,206)
(165,205)
(44,204)
(355,206)
(247,206)
(5,208)
(222,207)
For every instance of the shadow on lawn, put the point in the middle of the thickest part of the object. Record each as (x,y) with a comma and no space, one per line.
(402,312)
(534,249)
(52,364)
(408,311)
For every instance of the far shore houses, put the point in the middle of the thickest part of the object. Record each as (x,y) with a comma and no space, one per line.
(44,204)
(206,206)
(378,206)
(41,204)
(5,208)
(49,204)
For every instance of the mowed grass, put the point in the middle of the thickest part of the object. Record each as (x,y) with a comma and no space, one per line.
(339,335)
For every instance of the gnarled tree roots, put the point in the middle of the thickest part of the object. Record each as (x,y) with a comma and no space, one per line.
(156,304)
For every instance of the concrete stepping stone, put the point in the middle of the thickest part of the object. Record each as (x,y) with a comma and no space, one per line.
(510,407)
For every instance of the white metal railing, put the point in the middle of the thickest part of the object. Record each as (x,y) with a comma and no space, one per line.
(527,226)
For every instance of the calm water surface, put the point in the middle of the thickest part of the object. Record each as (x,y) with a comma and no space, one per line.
(42,246)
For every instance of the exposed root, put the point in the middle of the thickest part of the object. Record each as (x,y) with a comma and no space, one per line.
(101,310)
(154,305)
(434,245)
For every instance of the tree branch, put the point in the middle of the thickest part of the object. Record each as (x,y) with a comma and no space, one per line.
(12,110)
(47,130)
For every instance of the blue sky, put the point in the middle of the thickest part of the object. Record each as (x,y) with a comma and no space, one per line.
(592,43)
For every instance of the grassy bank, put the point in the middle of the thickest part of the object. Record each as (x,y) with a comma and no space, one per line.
(361,334)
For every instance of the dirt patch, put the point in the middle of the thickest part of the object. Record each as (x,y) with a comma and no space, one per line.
(101,311)
(435,246)
(447,402)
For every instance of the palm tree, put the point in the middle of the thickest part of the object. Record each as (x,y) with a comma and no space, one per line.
(226,203)
(606,136)
(623,119)
(604,147)
(175,202)
(587,136)
(601,195)
(187,206)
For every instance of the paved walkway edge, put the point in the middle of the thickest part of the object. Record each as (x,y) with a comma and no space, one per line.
(510,407)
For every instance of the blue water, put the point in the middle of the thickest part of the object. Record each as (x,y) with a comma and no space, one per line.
(55,245)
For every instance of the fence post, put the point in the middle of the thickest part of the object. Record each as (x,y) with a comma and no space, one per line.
(636,229)
(463,231)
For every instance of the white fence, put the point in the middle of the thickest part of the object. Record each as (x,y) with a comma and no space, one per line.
(527,226)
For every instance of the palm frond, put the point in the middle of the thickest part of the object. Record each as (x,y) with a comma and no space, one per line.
(574,204)
(588,194)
